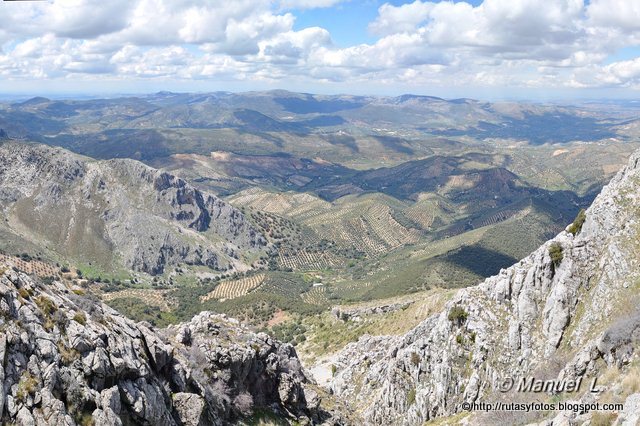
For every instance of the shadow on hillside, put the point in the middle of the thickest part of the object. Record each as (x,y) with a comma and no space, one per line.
(479,260)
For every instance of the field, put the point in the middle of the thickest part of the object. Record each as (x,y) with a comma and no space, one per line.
(31,266)
(226,290)
(302,260)
(316,296)
(151,297)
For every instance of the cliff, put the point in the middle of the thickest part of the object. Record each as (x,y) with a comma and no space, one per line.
(568,310)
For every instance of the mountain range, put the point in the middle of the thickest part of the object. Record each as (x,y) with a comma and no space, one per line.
(572,316)
(151,245)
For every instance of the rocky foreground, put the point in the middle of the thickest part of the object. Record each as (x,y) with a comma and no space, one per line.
(66,359)
(567,311)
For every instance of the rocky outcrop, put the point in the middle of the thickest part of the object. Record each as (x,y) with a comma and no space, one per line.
(543,317)
(119,212)
(356,314)
(66,359)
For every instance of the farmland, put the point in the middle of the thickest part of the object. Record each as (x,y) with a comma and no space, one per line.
(31,266)
(234,288)
(152,297)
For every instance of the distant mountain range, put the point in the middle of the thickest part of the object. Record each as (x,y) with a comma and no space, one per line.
(156,125)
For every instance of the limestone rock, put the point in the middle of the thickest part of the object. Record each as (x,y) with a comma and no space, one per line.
(189,408)
(115,369)
(515,324)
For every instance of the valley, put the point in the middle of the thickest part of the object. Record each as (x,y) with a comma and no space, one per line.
(275,207)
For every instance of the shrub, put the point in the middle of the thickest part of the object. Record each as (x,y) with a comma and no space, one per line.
(460,339)
(80,318)
(411,397)
(555,252)
(576,226)
(458,315)
(26,386)
(65,269)
(46,305)
(602,419)
(24,293)
(67,355)
(415,359)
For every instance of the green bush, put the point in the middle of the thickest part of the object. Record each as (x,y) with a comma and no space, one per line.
(48,280)
(458,315)
(46,305)
(26,386)
(80,318)
(556,254)
(24,293)
(576,226)
(411,397)
(137,310)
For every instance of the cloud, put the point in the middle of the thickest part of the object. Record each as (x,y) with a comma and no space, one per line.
(397,19)
(506,28)
(308,4)
(523,43)
(620,14)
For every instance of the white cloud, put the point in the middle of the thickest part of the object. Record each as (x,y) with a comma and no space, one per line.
(508,28)
(524,43)
(308,4)
(622,14)
(396,19)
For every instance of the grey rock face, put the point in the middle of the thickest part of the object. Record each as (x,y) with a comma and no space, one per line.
(119,211)
(515,324)
(106,367)
(189,408)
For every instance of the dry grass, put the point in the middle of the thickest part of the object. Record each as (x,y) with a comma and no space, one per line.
(601,418)
(631,382)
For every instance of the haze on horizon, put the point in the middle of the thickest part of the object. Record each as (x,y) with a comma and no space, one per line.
(491,49)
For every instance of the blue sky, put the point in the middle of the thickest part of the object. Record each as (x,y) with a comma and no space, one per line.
(485,49)
(347,22)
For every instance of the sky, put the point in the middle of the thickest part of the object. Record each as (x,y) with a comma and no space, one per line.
(488,49)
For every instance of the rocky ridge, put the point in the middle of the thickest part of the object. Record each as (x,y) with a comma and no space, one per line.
(119,212)
(543,317)
(66,359)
